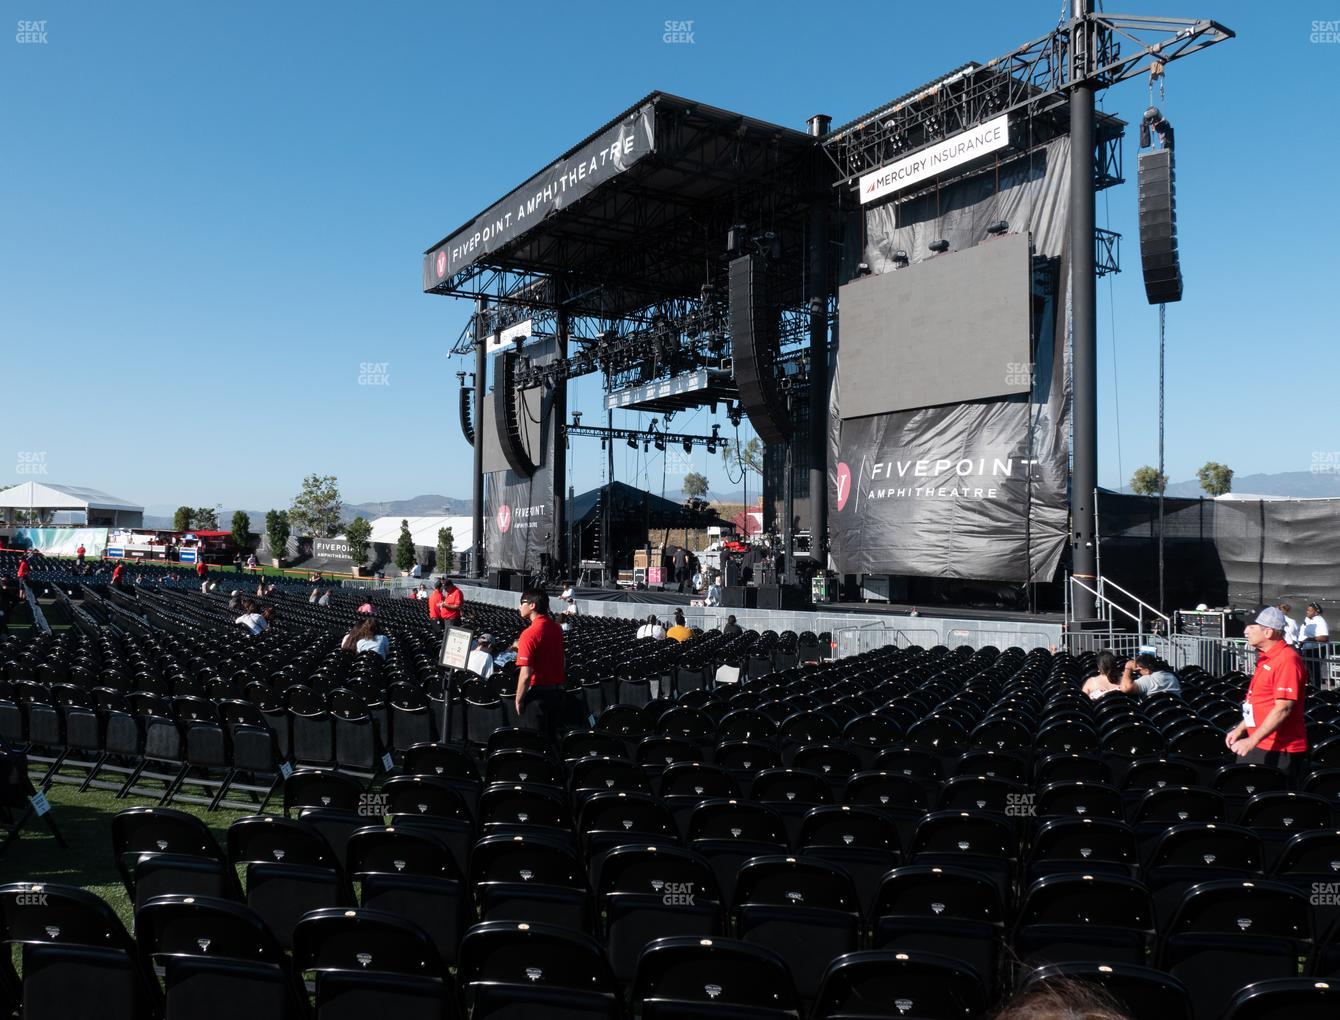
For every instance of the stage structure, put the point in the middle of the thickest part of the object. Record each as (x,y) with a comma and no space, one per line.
(693,257)
(618,256)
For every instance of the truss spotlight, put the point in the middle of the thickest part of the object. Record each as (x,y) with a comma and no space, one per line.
(688,447)
(863,269)
(632,442)
(999,227)
(939,246)
(576,419)
(900,257)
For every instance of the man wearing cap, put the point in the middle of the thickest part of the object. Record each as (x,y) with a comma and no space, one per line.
(1272,731)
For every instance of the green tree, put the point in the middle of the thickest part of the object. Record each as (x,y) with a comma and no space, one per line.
(205,518)
(1148,482)
(358,534)
(445,551)
(695,485)
(241,530)
(750,455)
(1215,478)
(277,531)
(404,549)
(181,520)
(316,510)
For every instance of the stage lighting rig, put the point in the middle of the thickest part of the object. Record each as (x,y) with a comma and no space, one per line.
(997,228)
(900,257)
(939,246)
(863,269)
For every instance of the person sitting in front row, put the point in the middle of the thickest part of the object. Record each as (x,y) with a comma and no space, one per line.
(1146,674)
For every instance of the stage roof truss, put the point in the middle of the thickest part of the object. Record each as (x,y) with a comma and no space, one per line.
(1031,82)
(652,233)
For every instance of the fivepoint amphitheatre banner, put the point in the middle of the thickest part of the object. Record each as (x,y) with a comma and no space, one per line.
(975,490)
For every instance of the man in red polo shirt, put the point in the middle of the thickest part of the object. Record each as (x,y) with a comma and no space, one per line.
(435,605)
(452,600)
(1273,730)
(542,676)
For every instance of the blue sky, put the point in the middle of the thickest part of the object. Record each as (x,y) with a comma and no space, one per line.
(214,216)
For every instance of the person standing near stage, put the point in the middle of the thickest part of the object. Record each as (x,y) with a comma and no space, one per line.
(117,571)
(25,566)
(202,573)
(1273,730)
(79,554)
(1313,633)
(542,673)
(453,599)
(435,604)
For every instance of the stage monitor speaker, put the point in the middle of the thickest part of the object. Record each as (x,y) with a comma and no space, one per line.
(739,597)
(507,416)
(1158,227)
(784,596)
(754,348)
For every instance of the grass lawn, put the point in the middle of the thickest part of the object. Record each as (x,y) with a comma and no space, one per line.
(85,820)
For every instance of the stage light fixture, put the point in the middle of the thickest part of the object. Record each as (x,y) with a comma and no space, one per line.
(632,442)
(688,447)
(939,246)
(999,227)
(900,257)
(863,269)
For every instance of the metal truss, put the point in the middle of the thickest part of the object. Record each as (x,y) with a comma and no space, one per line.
(1107,251)
(1032,81)
(649,435)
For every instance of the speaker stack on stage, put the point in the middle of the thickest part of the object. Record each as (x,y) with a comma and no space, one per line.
(737,596)
(1158,227)
(784,596)
(754,347)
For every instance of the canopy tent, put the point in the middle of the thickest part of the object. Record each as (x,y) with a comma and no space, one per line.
(423,530)
(48,501)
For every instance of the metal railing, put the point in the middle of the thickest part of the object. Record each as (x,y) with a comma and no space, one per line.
(1112,612)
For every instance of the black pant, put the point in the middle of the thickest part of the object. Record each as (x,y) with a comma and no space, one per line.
(542,709)
(1290,763)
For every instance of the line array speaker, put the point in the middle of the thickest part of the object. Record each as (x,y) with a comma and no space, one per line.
(1158,227)
(467,415)
(507,417)
(754,348)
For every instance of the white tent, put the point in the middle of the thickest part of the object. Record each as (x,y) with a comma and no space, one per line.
(96,508)
(424,530)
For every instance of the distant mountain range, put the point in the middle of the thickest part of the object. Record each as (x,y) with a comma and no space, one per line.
(1293,484)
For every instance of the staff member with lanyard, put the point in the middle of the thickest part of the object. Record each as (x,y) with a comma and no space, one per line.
(539,653)
(1273,730)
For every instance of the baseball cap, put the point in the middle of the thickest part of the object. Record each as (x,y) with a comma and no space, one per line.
(1272,617)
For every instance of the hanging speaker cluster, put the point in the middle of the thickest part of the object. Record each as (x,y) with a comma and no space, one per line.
(754,349)
(467,414)
(1158,227)
(507,417)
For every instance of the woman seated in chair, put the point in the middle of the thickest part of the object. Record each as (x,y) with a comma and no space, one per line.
(367,636)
